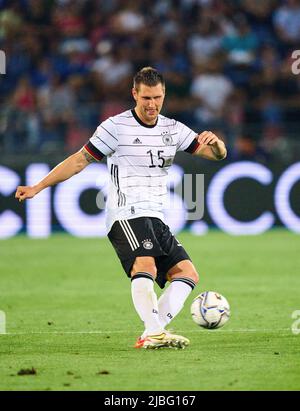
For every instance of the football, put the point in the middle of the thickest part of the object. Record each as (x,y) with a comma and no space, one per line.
(210,310)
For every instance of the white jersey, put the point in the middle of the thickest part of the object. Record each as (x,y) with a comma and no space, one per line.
(138,159)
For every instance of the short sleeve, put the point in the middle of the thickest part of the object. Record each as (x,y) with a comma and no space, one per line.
(104,141)
(186,137)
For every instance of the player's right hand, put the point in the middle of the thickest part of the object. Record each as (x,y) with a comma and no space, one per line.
(25,192)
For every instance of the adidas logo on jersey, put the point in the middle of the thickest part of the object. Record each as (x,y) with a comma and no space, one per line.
(137,141)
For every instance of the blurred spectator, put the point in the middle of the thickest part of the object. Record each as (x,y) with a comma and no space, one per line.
(211,89)
(113,70)
(246,148)
(259,14)
(264,84)
(288,92)
(204,41)
(287,23)
(22,122)
(10,22)
(24,96)
(37,14)
(235,115)
(268,65)
(241,45)
(68,21)
(271,115)
(128,20)
(42,73)
(57,106)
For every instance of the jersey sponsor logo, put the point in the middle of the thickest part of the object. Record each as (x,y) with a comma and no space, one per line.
(137,141)
(167,138)
(147,244)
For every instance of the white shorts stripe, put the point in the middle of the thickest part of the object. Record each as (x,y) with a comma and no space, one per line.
(132,233)
(128,235)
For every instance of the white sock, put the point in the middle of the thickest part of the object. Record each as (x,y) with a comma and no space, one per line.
(172,300)
(145,303)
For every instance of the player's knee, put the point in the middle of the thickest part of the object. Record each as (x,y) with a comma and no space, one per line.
(190,274)
(193,275)
(144,265)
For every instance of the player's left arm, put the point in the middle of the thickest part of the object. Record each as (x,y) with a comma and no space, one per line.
(210,147)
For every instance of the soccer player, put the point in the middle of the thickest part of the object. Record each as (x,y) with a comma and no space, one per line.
(140,146)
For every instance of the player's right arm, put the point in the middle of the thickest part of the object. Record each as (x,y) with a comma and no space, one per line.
(63,171)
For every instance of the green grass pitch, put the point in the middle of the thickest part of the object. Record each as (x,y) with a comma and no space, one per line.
(69,315)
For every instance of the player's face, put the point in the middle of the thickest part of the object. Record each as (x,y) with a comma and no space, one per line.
(149,101)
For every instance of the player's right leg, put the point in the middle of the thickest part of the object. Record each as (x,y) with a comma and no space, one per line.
(145,302)
(144,298)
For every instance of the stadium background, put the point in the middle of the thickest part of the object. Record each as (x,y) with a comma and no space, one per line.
(227,64)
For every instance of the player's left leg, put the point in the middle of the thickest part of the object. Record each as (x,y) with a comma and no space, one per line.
(145,302)
(183,278)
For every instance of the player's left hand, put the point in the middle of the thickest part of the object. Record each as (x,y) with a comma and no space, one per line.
(207,138)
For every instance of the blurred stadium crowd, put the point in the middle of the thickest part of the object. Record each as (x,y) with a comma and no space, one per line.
(227,65)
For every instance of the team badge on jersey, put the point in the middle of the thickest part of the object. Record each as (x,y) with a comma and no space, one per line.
(147,244)
(167,138)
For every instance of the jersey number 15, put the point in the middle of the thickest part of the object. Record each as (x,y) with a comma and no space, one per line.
(159,158)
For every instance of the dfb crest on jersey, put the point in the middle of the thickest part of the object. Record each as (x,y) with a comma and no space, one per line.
(167,138)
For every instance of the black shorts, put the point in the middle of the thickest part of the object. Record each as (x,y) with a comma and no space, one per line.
(146,236)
